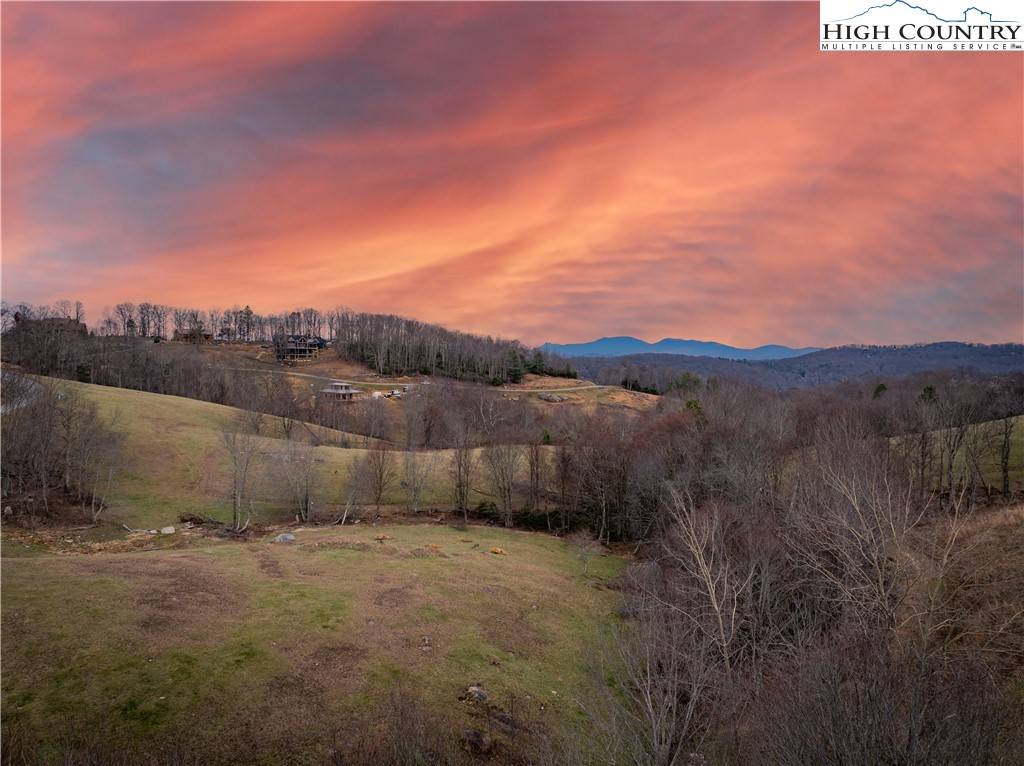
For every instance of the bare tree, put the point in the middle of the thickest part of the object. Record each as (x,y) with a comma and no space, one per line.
(355,487)
(502,462)
(585,547)
(417,469)
(710,587)
(462,472)
(851,517)
(463,467)
(243,448)
(126,315)
(657,713)
(297,466)
(380,473)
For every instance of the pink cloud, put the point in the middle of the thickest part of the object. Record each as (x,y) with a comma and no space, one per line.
(549,172)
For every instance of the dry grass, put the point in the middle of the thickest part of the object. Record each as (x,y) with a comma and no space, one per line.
(267,650)
(531,382)
(985,588)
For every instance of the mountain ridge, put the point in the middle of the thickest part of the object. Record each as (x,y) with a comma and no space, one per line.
(624,345)
(825,367)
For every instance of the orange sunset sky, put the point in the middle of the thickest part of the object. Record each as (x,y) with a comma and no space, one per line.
(553,172)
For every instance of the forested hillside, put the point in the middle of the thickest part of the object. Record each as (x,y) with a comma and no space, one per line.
(661,372)
(395,345)
(391,345)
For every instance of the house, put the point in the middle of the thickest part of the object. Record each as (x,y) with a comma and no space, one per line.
(192,336)
(292,349)
(338,391)
(56,325)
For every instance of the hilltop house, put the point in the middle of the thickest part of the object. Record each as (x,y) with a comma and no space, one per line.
(51,324)
(192,336)
(292,349)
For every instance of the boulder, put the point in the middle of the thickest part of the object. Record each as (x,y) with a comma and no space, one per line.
(284,537)
(167,530)
(475,693)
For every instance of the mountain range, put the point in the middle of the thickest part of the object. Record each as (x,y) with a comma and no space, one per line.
(624,345)
(825,367)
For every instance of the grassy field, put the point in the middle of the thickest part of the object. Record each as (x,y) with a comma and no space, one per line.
(174,461)
(990,465)
(989,439)
(268,653)
(262,652)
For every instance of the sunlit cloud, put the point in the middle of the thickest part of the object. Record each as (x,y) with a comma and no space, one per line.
(551,172)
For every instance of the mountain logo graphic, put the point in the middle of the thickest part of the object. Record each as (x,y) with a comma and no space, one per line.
(920,25)
(904,4)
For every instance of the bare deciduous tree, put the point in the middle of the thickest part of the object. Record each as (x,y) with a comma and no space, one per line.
(502,462)
(244,449)
(417,470)
(380,473)
(297,467)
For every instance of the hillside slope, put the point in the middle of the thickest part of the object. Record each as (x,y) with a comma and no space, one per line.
(265,653)
(174,461)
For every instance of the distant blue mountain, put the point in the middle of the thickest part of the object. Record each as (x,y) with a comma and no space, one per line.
(624,345)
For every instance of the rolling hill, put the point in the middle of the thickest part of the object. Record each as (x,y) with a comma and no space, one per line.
(824,367)
(175,461)
(186,648)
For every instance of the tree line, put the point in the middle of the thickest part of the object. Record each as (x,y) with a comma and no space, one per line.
(390,345)
(394,345)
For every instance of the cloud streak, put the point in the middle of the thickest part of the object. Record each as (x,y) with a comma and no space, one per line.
(553,172)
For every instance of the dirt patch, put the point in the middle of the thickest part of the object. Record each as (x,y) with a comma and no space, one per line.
(422,553)
(339,543)
(333,658)
(394,597)
(268,564)
(533,382)
(288,724)
(515,634)
(172,597)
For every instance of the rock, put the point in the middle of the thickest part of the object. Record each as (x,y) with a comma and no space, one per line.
(152,532)
(426,644)
(167,530)
(284,537)
(551,398)
(476,742)
(475,693)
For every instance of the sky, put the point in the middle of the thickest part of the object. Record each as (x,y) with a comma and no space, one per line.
(551,172)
